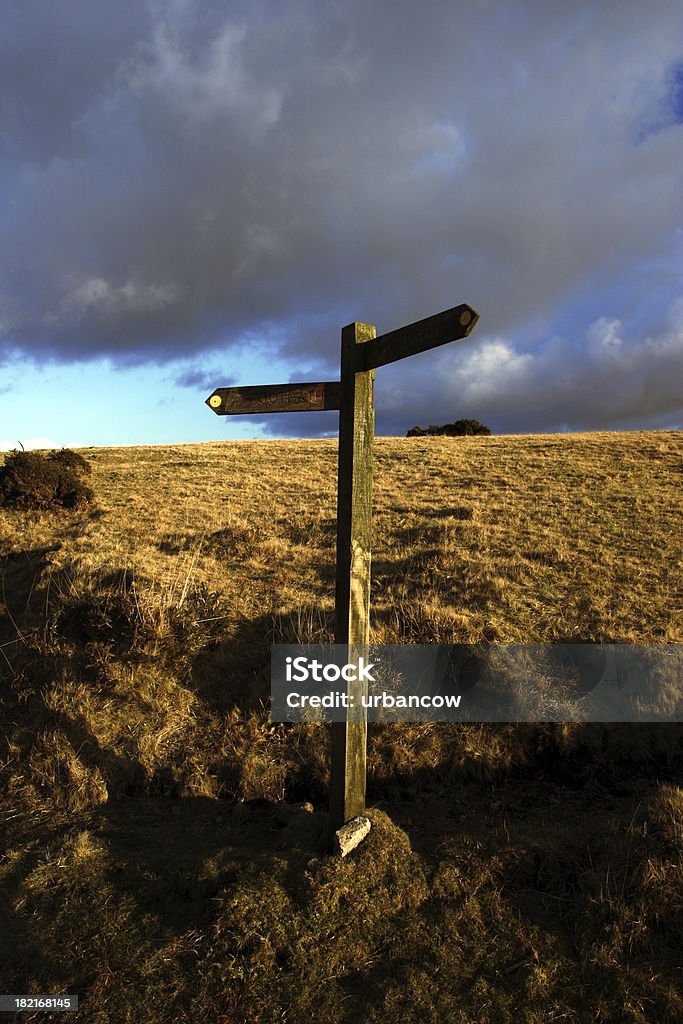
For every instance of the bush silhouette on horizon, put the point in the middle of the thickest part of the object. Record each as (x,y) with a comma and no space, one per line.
(461,428)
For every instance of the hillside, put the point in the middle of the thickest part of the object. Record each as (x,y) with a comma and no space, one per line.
(154,860)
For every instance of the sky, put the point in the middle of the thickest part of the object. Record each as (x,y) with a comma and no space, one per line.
(200,194)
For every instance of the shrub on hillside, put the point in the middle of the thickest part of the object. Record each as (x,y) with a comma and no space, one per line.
(465,428)
(33,481)
(68,459)
(461,428)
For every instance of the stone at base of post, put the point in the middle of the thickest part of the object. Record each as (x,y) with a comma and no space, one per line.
(351,834)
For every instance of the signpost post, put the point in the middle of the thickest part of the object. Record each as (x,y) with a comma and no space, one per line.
(361,353)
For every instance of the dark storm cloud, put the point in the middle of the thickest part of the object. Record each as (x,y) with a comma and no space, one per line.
(200,380)
(603,379)
(179,177)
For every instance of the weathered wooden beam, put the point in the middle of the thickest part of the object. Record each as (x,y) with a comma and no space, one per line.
(451,325)
(269,398)
(352,589)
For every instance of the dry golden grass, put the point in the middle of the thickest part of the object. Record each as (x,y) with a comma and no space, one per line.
(514,872)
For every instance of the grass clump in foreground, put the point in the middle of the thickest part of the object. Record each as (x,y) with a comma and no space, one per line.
(155,860)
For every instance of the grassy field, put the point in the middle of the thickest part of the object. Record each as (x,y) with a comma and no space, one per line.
(156,856)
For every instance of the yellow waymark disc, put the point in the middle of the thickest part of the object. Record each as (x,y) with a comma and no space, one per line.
(215,401)
(465,318)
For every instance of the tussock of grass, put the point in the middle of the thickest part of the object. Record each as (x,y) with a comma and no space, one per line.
(666,814)
(512,871)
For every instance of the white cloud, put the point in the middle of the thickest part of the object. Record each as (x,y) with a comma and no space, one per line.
(205,84)
(29,443)
(494,363)
(607,377)
(98,296)
(603,339)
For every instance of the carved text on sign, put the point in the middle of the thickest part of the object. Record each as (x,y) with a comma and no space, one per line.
(276,398)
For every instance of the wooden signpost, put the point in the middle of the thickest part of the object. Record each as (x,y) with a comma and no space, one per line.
(361,353)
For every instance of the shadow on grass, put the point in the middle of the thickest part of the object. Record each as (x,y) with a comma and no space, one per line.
(20,578)
(478,883)
(158,866)
(235,671)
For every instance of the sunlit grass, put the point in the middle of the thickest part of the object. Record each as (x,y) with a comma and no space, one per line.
(514,872)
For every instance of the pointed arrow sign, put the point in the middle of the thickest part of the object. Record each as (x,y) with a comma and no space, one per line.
(451,325)
(276,398)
